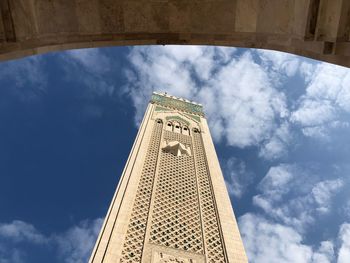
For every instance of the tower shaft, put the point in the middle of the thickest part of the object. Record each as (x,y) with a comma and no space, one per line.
(171,203)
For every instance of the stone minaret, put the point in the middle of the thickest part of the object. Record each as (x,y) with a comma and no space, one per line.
(171,204)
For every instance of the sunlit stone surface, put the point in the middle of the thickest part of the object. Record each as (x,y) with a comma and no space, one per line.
(171,204)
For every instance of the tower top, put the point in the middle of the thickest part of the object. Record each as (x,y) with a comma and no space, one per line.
(173,102)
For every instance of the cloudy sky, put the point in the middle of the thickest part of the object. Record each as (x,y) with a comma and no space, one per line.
(281,126)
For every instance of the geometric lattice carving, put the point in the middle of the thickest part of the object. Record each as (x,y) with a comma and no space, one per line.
(171,136)
(212,236)
(134,241)
(183,201)
(176,215)
(165,208)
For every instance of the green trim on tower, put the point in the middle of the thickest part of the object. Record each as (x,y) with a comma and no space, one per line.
(197,118)
(158,108)
(179,104)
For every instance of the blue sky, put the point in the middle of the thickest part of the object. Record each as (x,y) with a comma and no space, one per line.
(280,124)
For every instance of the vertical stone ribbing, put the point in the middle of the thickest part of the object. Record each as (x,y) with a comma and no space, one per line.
(135,236)
(213,240)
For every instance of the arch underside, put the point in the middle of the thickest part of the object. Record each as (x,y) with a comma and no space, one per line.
(317,29)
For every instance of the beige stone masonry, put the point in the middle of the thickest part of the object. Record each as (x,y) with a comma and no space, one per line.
(171,204)
(317,29)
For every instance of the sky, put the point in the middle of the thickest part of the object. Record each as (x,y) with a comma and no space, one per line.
(280,124)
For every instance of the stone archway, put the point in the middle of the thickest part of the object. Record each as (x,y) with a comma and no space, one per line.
(313,28)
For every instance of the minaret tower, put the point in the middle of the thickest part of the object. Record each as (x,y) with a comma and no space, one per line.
(171,203)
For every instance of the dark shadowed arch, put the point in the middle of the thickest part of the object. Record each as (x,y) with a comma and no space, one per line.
(313,28)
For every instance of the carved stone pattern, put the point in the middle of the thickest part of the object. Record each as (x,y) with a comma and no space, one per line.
(173,136)
(134,241)
(172,260)
(161,257)
(213,239)
(178,104)
(178,118)
(176,213)
(159,108)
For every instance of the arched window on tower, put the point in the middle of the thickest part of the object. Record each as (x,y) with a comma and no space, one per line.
(169,126)
(185,130)
(195,130)
(177,127)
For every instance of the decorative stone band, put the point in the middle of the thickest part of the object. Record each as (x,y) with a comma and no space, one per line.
(177,103)
(177,118)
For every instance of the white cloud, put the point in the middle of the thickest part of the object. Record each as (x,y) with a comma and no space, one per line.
(307,70)
(160,68)
(344,237)
(277,145)
(27,79)
(19,231)
(92,59)
(225,54)
(326,100)
(12,235)
(315,117)
(323,192)
(314,113)
(89,67)
(268,242)
(280,62)
(242,99)
(8,255)
(246,102)
(345,209)
(294,196)
(75,245)
(276,180)
(325,253)
(240,102)
(330,82)
(237,176)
